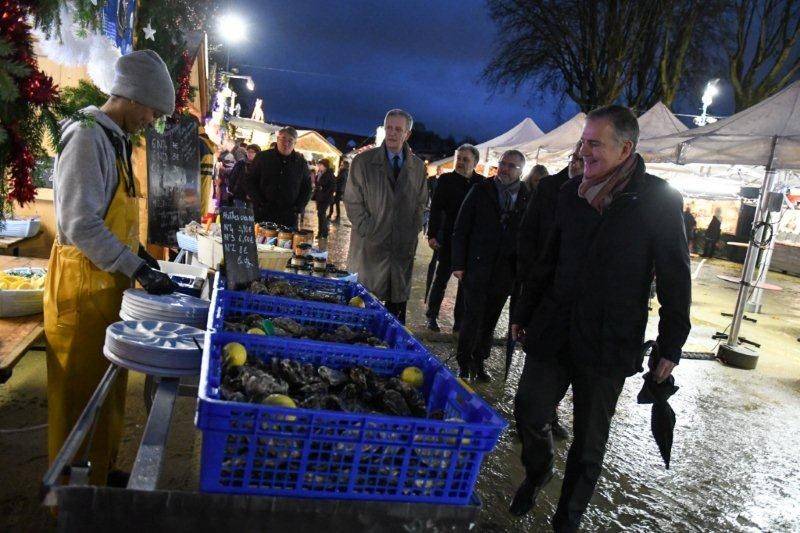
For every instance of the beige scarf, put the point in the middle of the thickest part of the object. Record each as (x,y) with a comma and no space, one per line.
(600,192)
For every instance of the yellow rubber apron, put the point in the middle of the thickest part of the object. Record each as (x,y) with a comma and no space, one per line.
(80,301)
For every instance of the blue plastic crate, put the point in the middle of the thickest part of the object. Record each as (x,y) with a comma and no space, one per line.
(344,290)
(232,305)
(257,449)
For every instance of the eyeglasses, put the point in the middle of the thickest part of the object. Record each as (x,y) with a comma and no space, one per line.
(503,164)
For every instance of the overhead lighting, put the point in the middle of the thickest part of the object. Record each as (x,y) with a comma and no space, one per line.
(232,28)
(250,85)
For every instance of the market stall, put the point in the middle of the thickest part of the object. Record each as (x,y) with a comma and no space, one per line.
(524,132)
(767,135)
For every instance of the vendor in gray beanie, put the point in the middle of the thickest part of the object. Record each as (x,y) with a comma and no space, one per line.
(96,255)
(142,76)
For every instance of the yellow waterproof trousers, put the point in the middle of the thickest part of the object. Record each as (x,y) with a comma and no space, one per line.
(80,301)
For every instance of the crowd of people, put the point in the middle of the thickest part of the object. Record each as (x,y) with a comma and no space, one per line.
(575,252)
(277,182)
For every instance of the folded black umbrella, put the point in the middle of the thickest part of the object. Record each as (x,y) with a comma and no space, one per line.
(511,344)
(662,417)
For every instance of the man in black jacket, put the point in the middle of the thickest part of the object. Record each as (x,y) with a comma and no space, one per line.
(279,183)
(485,258)
(535,228)
(583,312)
(449,194)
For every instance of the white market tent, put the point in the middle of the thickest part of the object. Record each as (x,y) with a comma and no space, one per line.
(525,131)
(547,147)
(766,134)
(659,121)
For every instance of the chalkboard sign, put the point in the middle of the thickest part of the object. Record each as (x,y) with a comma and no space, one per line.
(173,180)
(239,245)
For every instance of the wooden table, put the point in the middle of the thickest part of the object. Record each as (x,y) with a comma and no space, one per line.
(18,334)
(765,286)
(14,242)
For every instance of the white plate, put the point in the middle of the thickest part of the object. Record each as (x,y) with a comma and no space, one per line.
(175,300)
(125,314)
(149,310)
(147,369)
(158,335)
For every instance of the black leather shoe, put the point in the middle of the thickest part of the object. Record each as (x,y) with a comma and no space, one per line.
(525,498)
(432,325)
(482,375)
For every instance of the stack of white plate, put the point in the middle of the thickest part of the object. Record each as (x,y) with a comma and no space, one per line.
(176,307)
(157,348)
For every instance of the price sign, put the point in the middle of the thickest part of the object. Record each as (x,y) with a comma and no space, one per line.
(239,246)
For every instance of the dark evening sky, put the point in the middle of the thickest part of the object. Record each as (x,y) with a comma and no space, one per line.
(342,64)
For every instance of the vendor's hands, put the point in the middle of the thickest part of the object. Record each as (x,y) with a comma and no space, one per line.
(433,243)
(663,369)
(149,259)
(459,274)
(154,281)
(517,333)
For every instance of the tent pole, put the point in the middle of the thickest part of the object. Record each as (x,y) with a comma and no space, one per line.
(752,250)
(754,305)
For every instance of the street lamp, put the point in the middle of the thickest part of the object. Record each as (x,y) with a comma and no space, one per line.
(233,30)
(708,98)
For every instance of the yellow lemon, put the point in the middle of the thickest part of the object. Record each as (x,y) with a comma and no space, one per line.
(413,376)
(356,301)
(279,400)
(256,331)
(235,354)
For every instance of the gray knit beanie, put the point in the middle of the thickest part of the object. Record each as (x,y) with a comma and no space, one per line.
(143,77)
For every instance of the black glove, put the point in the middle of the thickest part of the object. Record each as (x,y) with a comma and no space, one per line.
(149,259)
(154,281)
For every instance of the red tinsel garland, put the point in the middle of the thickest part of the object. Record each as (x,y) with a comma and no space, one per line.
(36,90)
(184,87)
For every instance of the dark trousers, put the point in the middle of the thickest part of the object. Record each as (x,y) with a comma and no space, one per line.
(335,204)
(430,273)
(541,387)
(439,284)
(482,308)
(710,247)
(398,309)
(322,220)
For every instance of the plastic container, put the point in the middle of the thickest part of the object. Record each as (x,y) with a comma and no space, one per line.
(234,305)
(22,228)
(187,242)
(257,449)
(346,290)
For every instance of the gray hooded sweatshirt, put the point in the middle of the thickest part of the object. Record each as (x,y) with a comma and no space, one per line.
(84,182)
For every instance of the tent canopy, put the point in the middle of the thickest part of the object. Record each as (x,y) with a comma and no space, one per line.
(525,131)
(558,140)
(768,132)
(659,121)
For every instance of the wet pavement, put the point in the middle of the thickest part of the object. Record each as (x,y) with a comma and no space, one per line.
(734,460)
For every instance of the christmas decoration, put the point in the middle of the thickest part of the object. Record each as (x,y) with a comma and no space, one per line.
(183,92)
(149,32)
(28,99)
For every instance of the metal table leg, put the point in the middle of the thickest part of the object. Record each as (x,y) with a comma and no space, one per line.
(147,467)
(83,427)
